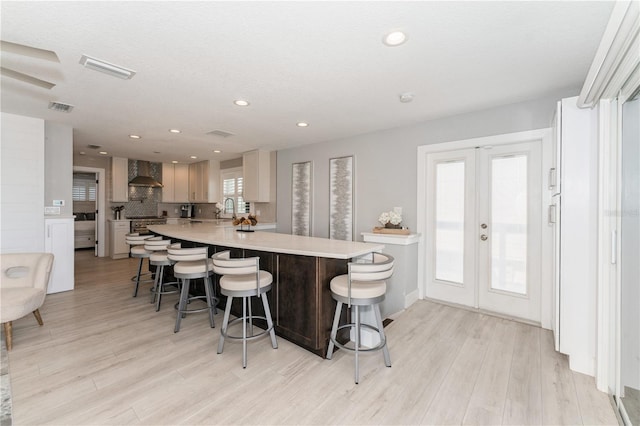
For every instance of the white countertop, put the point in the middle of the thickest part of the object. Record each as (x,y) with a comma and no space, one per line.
(207,233)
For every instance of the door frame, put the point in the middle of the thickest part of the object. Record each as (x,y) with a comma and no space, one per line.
(101,204)
(546,273)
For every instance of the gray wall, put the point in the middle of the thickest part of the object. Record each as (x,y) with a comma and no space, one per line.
(386,164)
(58,169)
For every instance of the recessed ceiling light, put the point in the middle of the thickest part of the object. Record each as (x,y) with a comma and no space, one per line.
(302,124)
(135,137)
(394,38)
(193,157)
(103,152)
(217,151)
(174,162)
(175,131)
(241,102)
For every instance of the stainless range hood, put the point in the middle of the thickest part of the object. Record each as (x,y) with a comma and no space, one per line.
(144,176)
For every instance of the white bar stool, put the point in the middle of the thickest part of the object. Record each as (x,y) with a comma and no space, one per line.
(242,277)
(192,263)
(136,249)
(364,285)
(159,259)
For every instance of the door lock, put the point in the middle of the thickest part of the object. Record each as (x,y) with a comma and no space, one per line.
(483,237)
(483,226)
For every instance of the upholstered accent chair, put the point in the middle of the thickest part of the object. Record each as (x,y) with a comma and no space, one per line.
(24,278)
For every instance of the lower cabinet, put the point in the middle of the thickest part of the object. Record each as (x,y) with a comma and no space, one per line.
(59,240)
(118,246)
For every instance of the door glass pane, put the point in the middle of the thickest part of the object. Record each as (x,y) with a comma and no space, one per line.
(509,223)
(449,232)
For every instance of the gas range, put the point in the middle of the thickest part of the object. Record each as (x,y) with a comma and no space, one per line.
(139,223)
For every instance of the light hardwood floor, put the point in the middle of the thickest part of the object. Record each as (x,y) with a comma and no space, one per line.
(103,357)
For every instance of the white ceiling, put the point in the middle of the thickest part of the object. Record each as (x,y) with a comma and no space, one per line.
(321,62)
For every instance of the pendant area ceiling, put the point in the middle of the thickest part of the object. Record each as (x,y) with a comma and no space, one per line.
(323,63)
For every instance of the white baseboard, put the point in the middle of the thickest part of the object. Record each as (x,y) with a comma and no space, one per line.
(411,298)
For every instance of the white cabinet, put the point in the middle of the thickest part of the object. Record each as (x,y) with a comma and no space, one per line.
(175,178)
(256,171)
(119,179)
(118,246)
(59,240)
(204,177)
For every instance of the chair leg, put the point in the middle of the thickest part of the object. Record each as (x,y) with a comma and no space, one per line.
(334,329)
(135,291)
(8,334)
(36,314)
(267,313)
(208,290)
(154,289)
(225,324)
(157,296)
(184,295)
(385,349)
(244,332)
(357,342)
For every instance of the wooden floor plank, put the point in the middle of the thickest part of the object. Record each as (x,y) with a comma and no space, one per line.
(104,357)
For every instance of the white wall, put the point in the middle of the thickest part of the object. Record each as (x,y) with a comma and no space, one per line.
(58,181)
(385,161)
(21,184)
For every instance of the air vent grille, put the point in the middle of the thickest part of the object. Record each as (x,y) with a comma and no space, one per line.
(58,106)
(220,133)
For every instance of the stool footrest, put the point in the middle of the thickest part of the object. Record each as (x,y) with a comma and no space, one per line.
(380,345)
(189,311)
(252,337)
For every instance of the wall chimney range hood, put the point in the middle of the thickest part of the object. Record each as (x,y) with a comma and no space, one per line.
(144,176)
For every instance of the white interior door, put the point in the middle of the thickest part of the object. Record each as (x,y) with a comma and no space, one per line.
(485,222)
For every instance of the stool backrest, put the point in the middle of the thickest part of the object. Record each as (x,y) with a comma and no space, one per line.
(179,254)
(135,239)
(223,264)
(153,244)
(380,269)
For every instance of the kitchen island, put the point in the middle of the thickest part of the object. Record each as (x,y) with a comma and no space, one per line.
(302,268)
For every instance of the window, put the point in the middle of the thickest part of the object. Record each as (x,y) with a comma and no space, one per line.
(232,192)
(84,187)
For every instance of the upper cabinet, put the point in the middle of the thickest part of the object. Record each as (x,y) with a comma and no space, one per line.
(256,170)
(204,177)
(175,181)
(119,179)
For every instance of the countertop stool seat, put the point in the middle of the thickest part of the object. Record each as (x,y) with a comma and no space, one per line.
(159,259)
(192,263)
(136,243)
(364,285)
(243,278)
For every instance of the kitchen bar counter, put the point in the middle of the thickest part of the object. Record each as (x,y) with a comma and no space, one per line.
(302,268)
(217,235)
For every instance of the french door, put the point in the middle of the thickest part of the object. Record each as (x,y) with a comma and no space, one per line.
(484,228)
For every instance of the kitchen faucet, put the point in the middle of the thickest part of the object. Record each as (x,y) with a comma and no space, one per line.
(233,207)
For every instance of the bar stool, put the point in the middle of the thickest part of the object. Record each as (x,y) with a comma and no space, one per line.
(243,278)
(364,285)
(192,263)
(136,249)
(159,259)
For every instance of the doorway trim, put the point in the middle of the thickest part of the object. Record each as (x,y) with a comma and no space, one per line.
(544,135)
(101,205)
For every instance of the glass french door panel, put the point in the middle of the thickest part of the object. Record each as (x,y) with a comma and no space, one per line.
(449,218)
(509,223)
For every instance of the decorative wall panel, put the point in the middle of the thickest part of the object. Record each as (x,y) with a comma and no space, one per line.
(301,185)
(341,198)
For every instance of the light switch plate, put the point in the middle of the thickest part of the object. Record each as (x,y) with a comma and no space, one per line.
(59,203)
(52,210)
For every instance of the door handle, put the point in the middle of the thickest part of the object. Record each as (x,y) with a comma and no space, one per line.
(483,237)
(551,214)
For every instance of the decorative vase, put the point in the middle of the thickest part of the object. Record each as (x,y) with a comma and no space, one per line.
(392,226)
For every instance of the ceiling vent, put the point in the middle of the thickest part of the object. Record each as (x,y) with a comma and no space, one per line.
(58,106)
(94,146)
(220,133)
(106,67)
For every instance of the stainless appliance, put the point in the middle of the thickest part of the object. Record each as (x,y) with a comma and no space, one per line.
(139,223)
(186,210)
